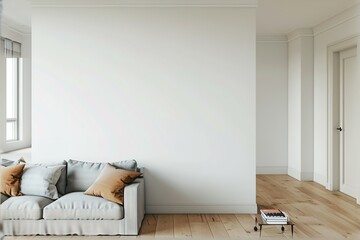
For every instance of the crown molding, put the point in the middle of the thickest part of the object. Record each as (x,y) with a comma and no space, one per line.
(300,33)
(272,38)
(143,3)
(14,26)
(341,18)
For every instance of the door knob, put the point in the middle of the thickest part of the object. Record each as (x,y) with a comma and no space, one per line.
(339,128)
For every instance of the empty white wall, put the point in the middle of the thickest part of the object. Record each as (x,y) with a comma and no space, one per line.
(25,111)
(173,88)
(335,30)
(271,105)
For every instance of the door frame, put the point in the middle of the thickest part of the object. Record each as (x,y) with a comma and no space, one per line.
(333,113)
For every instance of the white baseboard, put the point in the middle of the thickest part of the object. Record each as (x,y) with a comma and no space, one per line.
(301,176)
(320,179)
(294,173)
(307,176)
(271,170)
(216,209)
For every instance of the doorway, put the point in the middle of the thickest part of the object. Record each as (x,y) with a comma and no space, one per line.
(343,96)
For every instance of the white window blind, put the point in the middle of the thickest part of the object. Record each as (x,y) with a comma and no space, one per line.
(12,49)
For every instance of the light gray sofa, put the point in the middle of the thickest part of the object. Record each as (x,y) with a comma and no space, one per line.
(75,213)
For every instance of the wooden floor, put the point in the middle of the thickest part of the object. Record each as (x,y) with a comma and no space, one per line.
(317,213)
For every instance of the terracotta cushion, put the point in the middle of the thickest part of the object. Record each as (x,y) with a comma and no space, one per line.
(10,179)
(111,182)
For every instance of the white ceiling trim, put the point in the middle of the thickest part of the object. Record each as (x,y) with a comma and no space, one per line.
(143,3)
(347,15)
(272,38)
(305,32)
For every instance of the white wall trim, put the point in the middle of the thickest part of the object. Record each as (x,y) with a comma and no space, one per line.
(144,3)
(272,38)
(339,44)
(341,18)
(271,170)
(299,33)
(239,209)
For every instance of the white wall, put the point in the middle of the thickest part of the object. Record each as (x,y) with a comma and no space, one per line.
(358,115)
(307,108)
(301,101)
(271,105)
(294,108)
(25,112)
(173,88)
(335,30)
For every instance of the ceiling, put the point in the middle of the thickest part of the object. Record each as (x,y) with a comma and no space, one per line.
(278,17)
(17,14)
(274,17)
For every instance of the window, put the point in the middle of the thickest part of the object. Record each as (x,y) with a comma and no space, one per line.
(13,77)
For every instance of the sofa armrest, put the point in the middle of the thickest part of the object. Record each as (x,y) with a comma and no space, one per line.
(134,206)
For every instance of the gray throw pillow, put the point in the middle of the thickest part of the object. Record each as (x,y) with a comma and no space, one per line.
(41,180)
(61,184)
(130,165)
(81,175)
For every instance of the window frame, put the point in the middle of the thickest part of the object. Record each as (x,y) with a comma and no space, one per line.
(16,132)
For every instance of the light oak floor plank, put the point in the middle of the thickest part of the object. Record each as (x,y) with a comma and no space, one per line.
(233,227)
(148,227)
(197,218)
(218,230)
(181,226)
(200,230)
(212,218)
(165,226)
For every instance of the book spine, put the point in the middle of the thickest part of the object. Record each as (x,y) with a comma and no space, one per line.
(274,222)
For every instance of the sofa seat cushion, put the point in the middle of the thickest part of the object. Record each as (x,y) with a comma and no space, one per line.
(24,207)
(78,206)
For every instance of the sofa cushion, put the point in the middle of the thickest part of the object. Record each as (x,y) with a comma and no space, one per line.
(41,180)
(24,207)
(111,183)
(78,206)
(61,184)
(81,175)
(10,178)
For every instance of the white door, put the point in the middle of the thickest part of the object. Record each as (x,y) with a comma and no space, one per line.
(349,140)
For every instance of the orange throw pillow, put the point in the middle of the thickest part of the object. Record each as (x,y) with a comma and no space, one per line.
(10,180)
(111,182)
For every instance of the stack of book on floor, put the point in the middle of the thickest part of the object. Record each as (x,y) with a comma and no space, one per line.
(274,216)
